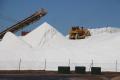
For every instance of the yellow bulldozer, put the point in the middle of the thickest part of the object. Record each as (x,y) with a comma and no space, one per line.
(79,33)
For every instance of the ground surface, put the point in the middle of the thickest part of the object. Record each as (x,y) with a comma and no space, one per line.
(51,75)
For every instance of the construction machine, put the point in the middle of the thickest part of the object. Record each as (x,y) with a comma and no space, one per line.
(22,24)
(79,33)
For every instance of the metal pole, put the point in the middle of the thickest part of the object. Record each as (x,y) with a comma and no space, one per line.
(116,63)
(69,63)
(19,64)
(91,65)
(45,64)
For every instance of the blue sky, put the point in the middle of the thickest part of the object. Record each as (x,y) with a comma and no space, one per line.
(62,14)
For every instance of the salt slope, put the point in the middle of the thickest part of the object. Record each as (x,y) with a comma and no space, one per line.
(12,47)
(42,35)
(11,41)
(104,30)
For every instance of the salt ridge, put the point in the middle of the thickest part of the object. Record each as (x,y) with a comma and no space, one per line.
(104,30)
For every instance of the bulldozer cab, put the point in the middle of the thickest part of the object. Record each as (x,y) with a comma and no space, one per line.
(78,33)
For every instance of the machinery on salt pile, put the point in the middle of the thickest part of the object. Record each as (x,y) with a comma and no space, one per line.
(22,24)
(79,33)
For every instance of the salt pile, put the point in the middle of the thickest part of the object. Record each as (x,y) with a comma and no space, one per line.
(12,41)
(46,43)
(42,35)
(104,30)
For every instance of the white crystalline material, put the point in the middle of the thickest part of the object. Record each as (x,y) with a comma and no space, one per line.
(42,34)
(12,41)
(11,50)
(46,44)
(104,30)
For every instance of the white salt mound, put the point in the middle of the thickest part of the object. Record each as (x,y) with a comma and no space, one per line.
(42,34)
(104,30)
(12,41)
(46,43)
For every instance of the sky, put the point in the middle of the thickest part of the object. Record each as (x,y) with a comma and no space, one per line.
(62,14)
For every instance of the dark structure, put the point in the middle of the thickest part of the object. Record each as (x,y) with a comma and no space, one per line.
(64,69)
(34,17)
(96,70)
(23,33)
(80,69)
